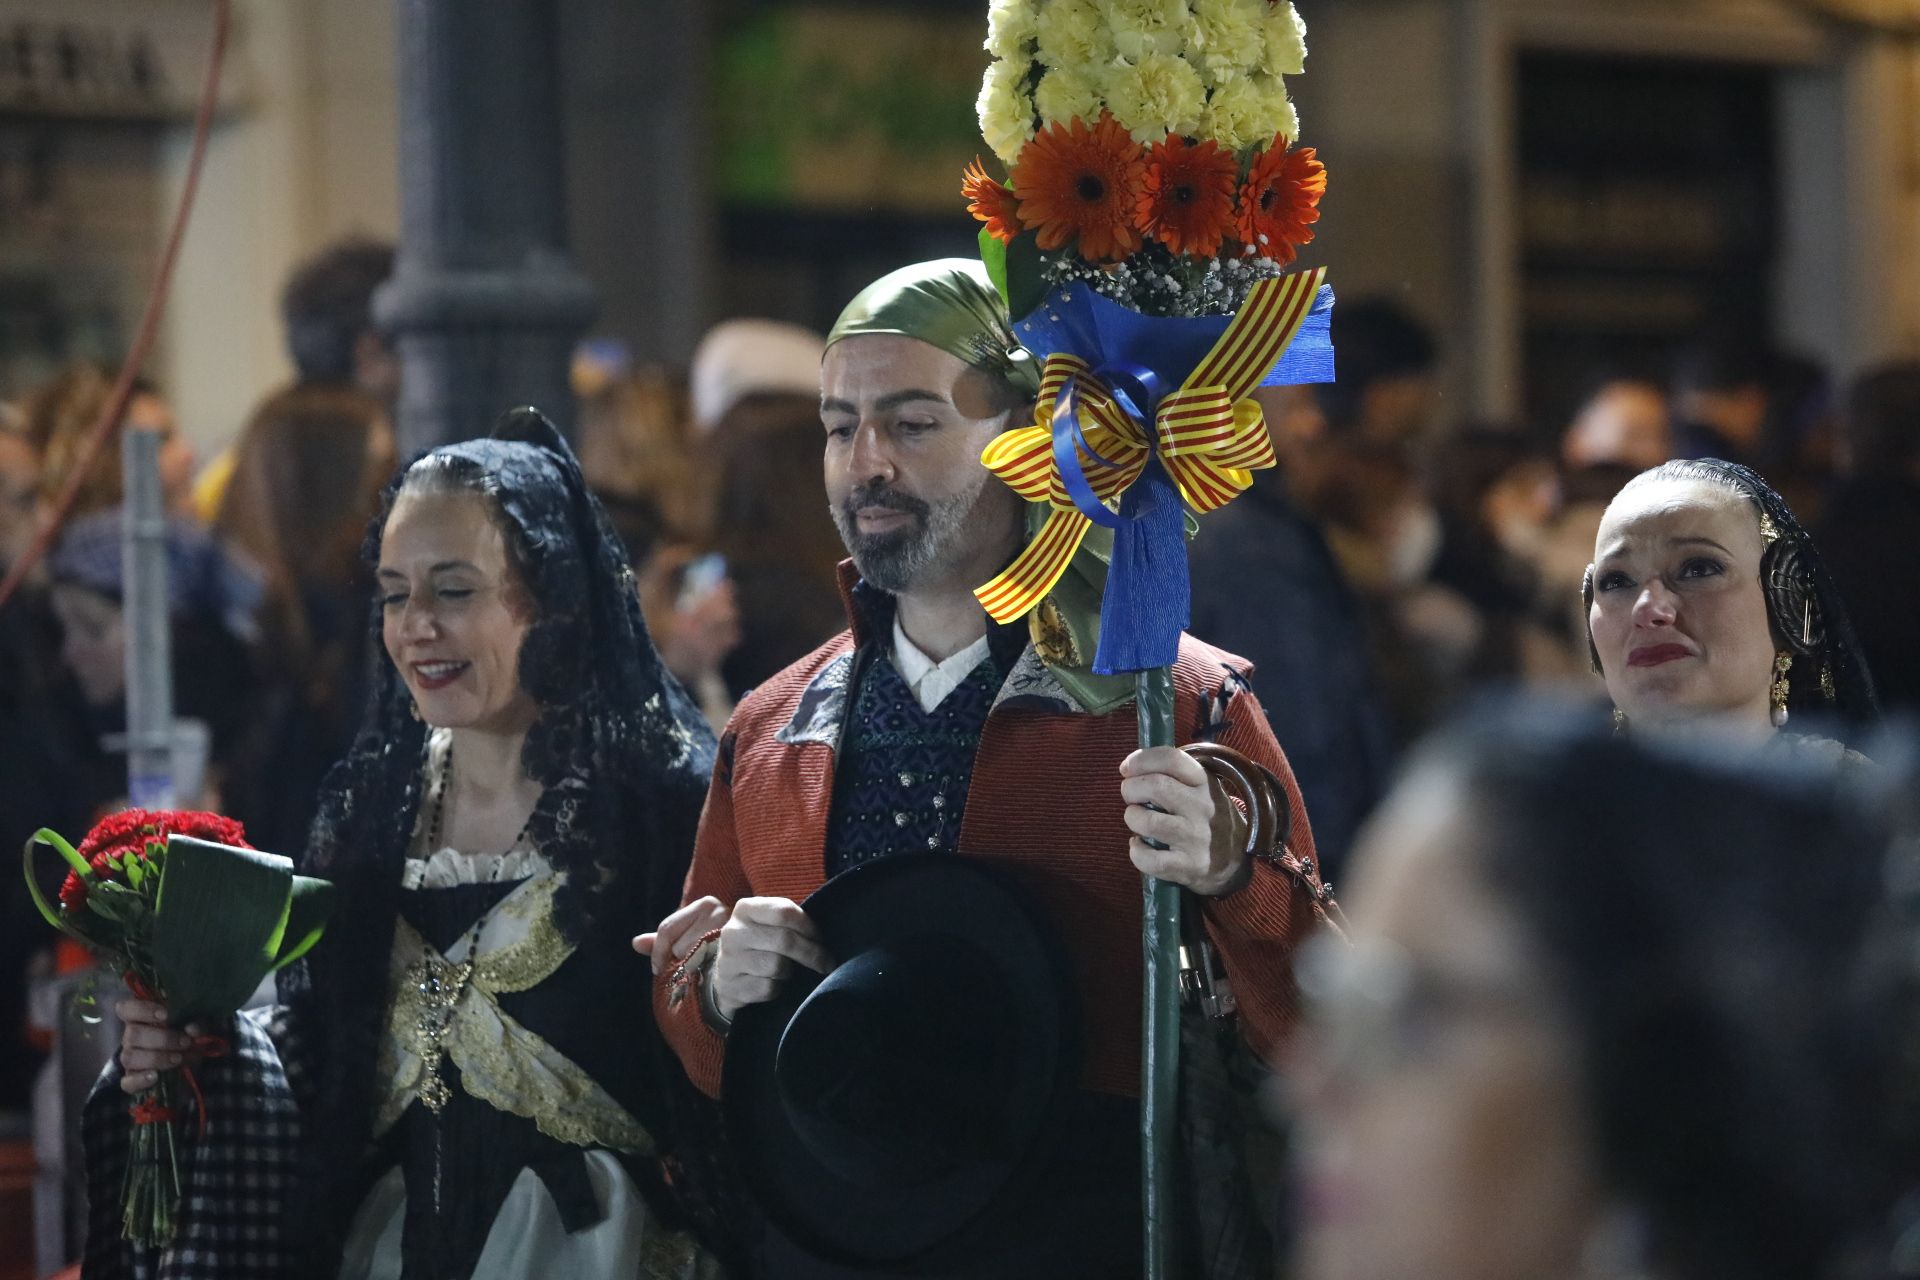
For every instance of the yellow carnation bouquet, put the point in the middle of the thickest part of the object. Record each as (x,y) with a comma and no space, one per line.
(1153,202)
(1149,149)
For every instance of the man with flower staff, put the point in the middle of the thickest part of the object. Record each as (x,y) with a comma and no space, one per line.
(927,729)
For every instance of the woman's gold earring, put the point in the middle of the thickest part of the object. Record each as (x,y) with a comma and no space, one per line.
(1619,720)
(1782,663)
(413,708)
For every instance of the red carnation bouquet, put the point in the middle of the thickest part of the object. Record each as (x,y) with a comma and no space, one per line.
(192,916)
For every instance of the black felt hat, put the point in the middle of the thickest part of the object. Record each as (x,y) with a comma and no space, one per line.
(883,1110)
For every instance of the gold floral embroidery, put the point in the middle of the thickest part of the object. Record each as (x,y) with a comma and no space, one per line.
(527,963)
(449,1009)
(515,1071)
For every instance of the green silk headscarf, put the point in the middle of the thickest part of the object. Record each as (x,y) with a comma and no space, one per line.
(948,303)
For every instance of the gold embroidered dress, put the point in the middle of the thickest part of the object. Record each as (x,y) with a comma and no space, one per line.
(507,1157)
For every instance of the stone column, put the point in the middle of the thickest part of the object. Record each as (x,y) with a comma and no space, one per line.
(483,306)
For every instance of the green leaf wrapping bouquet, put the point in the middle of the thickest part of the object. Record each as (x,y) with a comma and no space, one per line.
(192,916)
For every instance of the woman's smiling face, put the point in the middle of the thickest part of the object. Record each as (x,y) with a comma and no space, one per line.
(454,612)
(1678,616)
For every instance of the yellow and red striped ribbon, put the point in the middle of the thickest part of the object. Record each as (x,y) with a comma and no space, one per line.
(1209,435)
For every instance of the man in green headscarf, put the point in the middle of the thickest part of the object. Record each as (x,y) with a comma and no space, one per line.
(926,728)
(921,372)
(951,305)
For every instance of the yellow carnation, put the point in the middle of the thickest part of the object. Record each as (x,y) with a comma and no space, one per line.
(1231,114)
(1248,110)
(1010,28)
(1225,37)
(1142,28)
(1073,34)
(1277,112)
(1158,95)
(1064,93)
(1286,42)
(1006,113)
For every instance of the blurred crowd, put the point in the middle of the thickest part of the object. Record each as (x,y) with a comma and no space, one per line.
(1405,559)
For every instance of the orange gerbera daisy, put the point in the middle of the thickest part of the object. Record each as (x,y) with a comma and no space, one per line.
(1281,199)
(1187,200)
(991,202)
(1078,182)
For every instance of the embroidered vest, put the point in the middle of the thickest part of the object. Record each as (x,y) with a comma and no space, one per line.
(904,771)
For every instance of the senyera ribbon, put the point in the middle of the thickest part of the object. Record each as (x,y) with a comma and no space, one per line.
(1137,384)
(1099,431)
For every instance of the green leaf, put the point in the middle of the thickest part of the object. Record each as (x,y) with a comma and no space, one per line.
(48,836)
(121,905)
(308,908)
(1026,289)
(221,915)
(994,255)
(49,912)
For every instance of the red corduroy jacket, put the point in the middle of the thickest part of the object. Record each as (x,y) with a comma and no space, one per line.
(1044,807)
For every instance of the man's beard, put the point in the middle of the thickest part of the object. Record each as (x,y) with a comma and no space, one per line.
(898,560)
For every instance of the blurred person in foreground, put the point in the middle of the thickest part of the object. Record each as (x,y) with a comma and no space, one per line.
(332,340)
(307,474)
(60,419)
(1267,586)
(756,413)
(1615,1008)
(1709,606)
(458,1081)
(1871,528)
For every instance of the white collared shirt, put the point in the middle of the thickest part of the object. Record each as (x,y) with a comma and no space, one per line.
(932,681)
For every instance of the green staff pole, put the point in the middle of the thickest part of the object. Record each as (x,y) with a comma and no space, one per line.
(1160,1000)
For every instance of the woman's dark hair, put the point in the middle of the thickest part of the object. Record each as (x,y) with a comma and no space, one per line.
(1804,608)
(1720,932)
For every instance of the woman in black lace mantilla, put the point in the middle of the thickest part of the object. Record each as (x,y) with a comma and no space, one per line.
(463,1079)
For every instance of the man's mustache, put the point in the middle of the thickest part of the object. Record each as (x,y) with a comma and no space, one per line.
(879,495)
